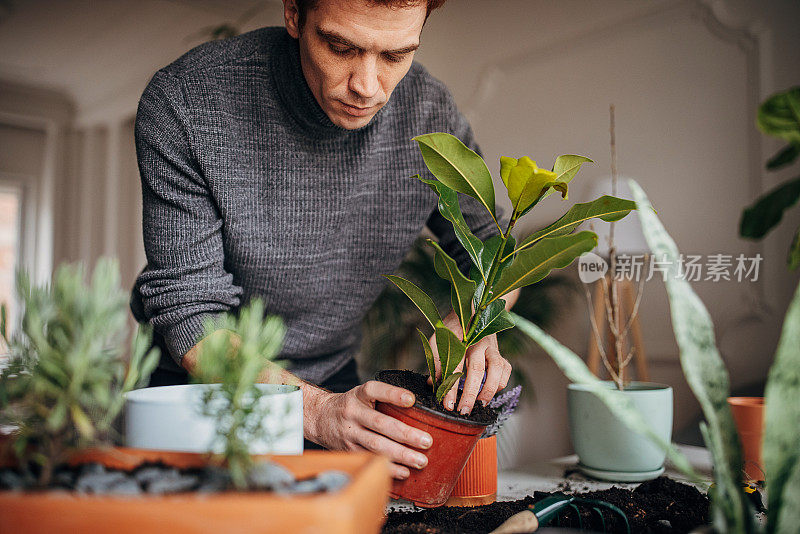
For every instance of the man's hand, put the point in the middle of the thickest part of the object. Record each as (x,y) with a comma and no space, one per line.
(348,421)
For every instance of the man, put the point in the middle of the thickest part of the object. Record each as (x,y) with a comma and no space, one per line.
(277,165)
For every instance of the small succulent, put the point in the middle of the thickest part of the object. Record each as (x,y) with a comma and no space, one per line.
(235,354)
(67,372)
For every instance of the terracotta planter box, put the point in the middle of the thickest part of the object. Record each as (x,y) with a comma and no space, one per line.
(359,507)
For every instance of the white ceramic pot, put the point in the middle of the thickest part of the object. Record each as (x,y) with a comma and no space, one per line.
(169,418)
(606,447)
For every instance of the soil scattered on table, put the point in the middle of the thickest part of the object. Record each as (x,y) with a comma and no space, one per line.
(418,385)
(654,507)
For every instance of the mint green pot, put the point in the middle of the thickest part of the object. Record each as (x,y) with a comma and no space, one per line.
(609,450)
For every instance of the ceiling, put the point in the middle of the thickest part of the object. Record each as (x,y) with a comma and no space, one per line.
(100,51)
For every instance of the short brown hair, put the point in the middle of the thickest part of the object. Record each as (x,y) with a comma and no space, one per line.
(303,6)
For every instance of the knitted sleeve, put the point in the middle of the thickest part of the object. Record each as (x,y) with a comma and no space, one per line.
(185,282)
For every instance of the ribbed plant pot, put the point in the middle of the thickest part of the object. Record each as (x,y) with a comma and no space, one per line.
(169,418)
(453,441)
(607,449)
(477,484)
(748,415)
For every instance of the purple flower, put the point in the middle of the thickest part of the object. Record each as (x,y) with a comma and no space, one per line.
(504,405)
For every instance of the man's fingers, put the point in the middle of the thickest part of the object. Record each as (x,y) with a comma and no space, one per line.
(435,351)
(476,367)
(382,445)
(400,472)
(506,375)
(394,429)
(495,367)
(373,391)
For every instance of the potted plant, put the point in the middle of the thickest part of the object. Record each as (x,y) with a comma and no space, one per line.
(708,379)
(499,265)
(67,352)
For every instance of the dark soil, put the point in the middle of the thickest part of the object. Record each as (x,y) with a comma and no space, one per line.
(418,385)
(658,506)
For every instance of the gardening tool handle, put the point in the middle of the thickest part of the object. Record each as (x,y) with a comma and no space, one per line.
(536,514)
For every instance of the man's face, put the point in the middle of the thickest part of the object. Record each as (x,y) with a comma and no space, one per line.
(353,54)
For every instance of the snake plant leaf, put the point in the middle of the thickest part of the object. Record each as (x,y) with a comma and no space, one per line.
(451,350)
(780,448)
(462,288)
(566,167)
(458,167)
(447,385)
(606,208)
(703,367)
(492,320)
(82,422)
(789,518)
(536,262)
(785,157)
(768,210)
(428,355)
(794,251)
(451,210)
(779,116)
(420,299)
(576,371)
(526,182)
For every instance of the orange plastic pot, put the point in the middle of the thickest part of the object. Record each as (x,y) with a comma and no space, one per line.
(359,507)
(453,441)
(748,415)
(477,484)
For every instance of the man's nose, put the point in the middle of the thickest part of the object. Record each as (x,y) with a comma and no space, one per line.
(364,78)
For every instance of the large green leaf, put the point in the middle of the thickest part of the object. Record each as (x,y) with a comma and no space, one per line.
(779,116)
(420,299)
(576,371)
(785,157)
(450,210)
(458,167)
(781,447)
(526,182)
(768,210)
(492,320)
(704,370)
(536,262)
(606,208)
(451,349)
(428,355)
(566,167)
(446,385)
(462,288)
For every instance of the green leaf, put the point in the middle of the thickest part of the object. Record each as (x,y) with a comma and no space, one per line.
(420,299)
(536,262)
(82,422)
(703,367)
(428,355)
(790,516)
(494,319)
(794,251)
(768,210)
(451,350)
(462,287)
(779,116)
(447,385)
(566,167)
(450,210)
(526,182)
(785,157)
(780,448)
(489,250)
(458,167)
(576,371)
(606,208)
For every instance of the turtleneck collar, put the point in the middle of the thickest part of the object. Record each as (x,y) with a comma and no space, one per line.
(296,95)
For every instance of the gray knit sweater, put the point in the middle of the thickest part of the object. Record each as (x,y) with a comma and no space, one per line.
(251,191)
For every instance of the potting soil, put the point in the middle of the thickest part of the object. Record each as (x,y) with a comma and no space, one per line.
(418,385)
(654,507)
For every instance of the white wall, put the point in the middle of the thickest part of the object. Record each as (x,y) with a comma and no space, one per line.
(535,78)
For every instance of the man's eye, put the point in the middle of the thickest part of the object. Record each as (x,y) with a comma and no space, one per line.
(339,50)
(394,58)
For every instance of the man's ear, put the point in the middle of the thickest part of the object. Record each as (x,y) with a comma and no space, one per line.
(291,17)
